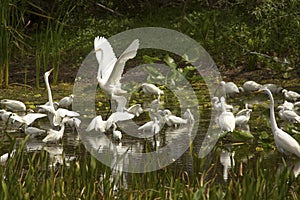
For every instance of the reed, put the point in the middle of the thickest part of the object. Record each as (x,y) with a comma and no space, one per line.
(12,31)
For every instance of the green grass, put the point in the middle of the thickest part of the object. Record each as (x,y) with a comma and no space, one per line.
(27,175)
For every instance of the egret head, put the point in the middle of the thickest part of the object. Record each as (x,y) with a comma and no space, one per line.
(222,83)
(49,72)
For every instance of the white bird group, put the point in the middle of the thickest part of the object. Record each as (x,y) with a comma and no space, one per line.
(58,117)
(109,74)
(288,111)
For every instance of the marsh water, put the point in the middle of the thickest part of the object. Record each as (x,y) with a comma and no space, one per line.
(172,147)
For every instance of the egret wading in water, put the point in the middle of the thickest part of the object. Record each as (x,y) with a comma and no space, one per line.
(53,135)
(226,119)
(285,143)
(117,135)
(55,116)
(172,120)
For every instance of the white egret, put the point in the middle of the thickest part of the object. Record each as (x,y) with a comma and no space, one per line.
(99,124)
(73,122)
(5,115)
(226,120)
(189,116)
(121,102)
(33,131)
(242,118)
(273,88)
(297,104)
(13,105)
(5,156)
(227,160)
(285,143)
(229,88)
(55,116)
(135,109)
(290,95)
(217,105)
(250,86)
(27,119)
(117,135)
(151,127)
(47,104)
(289,115)
(110,68)
(287,105)
(150,88)
(66,101)
(53,135)
(173,120)
(154,106)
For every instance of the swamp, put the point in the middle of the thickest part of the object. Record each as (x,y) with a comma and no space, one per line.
(197,146)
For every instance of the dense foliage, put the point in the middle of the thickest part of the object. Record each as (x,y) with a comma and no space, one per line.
(37,35)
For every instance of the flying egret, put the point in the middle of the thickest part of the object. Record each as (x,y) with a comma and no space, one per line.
(250,86)
(290,95)
(173,120)
(117,135)
(285,143)
(150,88)
(226,119)
(13,105)
(66,101)
(229,88)
(110,68)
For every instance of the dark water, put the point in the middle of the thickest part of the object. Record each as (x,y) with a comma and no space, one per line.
(171,147)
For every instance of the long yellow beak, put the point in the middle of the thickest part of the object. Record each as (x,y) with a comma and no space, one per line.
(51,70)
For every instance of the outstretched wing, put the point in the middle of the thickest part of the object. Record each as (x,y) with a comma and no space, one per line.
(118,69)
(105,56)
(93,124)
